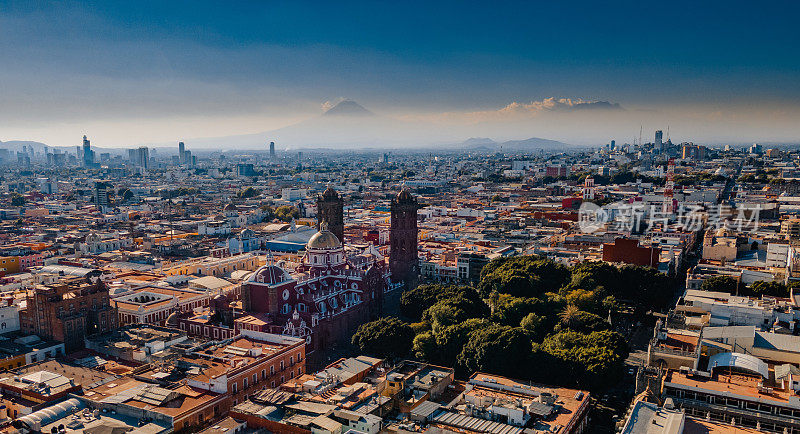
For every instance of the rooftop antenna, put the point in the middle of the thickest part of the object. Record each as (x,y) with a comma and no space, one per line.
(668,133)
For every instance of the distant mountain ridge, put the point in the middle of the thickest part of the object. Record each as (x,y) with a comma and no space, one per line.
(348,108)
(347,125)
(512,145)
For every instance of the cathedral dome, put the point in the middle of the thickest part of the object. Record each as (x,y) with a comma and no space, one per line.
(269,274)
(324,239)
(172,319)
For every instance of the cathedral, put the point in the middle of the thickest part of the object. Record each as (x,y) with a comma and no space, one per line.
(327,294)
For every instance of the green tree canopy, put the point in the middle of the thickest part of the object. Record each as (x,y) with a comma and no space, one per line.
(425,348)
(591,275)
(533,325)
(720,284)
(522,276)
(496,349)
(595,359)
(414,302)
(644,286)
(450,340)
(510,310)
(286,213)
(583,322)
(763,287)
(248,193)
(451,311)
(386,337)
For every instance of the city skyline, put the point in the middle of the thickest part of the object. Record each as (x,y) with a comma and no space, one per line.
(155,73)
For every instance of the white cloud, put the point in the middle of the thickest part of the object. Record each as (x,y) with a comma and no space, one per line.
(520,111)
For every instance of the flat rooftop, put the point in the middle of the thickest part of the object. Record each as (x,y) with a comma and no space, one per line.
(743,385)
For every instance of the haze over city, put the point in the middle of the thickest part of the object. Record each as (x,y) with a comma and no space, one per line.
(132,73)
(408,217)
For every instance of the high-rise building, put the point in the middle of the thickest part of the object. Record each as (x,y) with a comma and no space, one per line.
(88,154)
(403,234)
(692,151)
(272,150)
(385,158)
(659,138)
(101,193)
(245,169)
(23,159)
(330,210)
(143,157)
(181,153)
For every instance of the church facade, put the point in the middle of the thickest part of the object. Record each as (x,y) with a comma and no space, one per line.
(325,297)
(331,290)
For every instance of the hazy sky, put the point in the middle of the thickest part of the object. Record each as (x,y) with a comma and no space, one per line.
(139,71)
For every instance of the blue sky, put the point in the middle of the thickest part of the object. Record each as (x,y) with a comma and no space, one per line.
(146,71)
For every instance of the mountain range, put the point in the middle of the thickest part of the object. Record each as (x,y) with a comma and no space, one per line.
(344,126)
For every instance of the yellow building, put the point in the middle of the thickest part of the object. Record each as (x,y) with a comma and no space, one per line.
(9,265)
(12,362)
(211,266)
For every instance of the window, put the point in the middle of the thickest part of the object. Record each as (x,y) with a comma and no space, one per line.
(282,366)
(263,374)
(272,370)
(235,387)
(244,383)
(255,378)
(291,360)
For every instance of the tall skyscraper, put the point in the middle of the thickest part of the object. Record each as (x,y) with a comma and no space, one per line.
(143,157)
(403,234)
(330,209)
(272,151)
(181,153)
(659,138)
(88,154)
